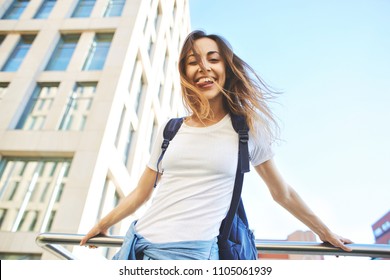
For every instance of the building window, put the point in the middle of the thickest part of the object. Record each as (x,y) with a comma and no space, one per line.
(158,18)
(18,53)
(124,136)
(126,148)
(140,91)
(138,86)
(150,45)
(16,9)
(386,226)
(23,182)
(38,107)
(98,52)
(378,232)
(78,107)
(114,8)
(84,8)
(3,213)
(45,9)
(166,63)
(20,257)
(110,199)
(63,53)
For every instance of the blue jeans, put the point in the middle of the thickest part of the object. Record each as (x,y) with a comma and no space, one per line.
(136,247)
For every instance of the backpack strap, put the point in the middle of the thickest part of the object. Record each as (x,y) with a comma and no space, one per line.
(240,126)
(170,130)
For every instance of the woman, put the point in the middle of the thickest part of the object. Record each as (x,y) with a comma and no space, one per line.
(195,189)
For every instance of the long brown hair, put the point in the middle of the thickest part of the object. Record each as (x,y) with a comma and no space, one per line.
(244,91)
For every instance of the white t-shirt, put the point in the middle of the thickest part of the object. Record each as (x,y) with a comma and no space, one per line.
(195,190)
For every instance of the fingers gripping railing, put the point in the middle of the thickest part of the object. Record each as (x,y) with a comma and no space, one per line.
(52,242)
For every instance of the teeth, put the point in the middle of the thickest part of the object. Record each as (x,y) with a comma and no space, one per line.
(205,80)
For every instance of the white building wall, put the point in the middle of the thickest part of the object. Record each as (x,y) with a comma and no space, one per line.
(144,48)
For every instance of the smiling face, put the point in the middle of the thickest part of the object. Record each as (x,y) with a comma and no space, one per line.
(205,69)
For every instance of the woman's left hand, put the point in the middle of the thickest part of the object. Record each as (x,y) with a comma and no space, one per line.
(337,241)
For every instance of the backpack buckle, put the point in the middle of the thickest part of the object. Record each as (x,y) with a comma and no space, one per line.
(165,144)
(243,136)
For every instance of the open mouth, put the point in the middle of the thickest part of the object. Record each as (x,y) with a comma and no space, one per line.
(204,81)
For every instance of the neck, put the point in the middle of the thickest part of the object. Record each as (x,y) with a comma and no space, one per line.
(217,107)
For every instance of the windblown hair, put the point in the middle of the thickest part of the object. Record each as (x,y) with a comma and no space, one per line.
(244,92)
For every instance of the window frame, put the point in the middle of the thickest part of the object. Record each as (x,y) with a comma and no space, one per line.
(15,10)
(98,52)
(59,60)
(83,8)
(45,9)
(18,54)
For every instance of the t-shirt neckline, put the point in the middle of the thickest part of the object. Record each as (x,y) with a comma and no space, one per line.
(210,127)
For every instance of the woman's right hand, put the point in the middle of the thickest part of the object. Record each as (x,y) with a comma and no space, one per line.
(96,230)
(127,206)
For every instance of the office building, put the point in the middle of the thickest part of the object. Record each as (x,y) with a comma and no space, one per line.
(381,229)
(84,85)
(296,236)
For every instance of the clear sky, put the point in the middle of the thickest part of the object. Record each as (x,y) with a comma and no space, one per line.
(331,61)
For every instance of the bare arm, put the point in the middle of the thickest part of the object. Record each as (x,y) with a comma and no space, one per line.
(127,206)
(287,197)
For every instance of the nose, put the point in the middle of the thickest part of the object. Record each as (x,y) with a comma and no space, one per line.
(205,65)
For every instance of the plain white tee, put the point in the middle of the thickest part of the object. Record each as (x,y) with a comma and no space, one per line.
(195,190)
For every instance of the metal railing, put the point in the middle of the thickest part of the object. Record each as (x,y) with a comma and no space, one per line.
(53,242)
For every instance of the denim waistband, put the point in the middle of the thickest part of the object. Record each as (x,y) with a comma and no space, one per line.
(135,246)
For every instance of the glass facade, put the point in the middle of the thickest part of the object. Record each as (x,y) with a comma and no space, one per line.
(63,53)
(139,85)
(35,185)
(124,135)
(84,8)
(78,106)
(109,199)
(19,257)
(114,8)
(45,9)
(98,52)
(16,9)
(38,107)
(18,54)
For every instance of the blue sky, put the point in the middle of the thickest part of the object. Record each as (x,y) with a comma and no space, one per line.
(331,61)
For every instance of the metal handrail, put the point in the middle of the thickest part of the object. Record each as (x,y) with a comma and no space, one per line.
(52,241)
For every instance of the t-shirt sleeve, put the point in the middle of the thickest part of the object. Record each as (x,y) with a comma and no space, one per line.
(260,145)
(156,148)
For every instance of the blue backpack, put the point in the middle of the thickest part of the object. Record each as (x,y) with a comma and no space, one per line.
(235,240)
